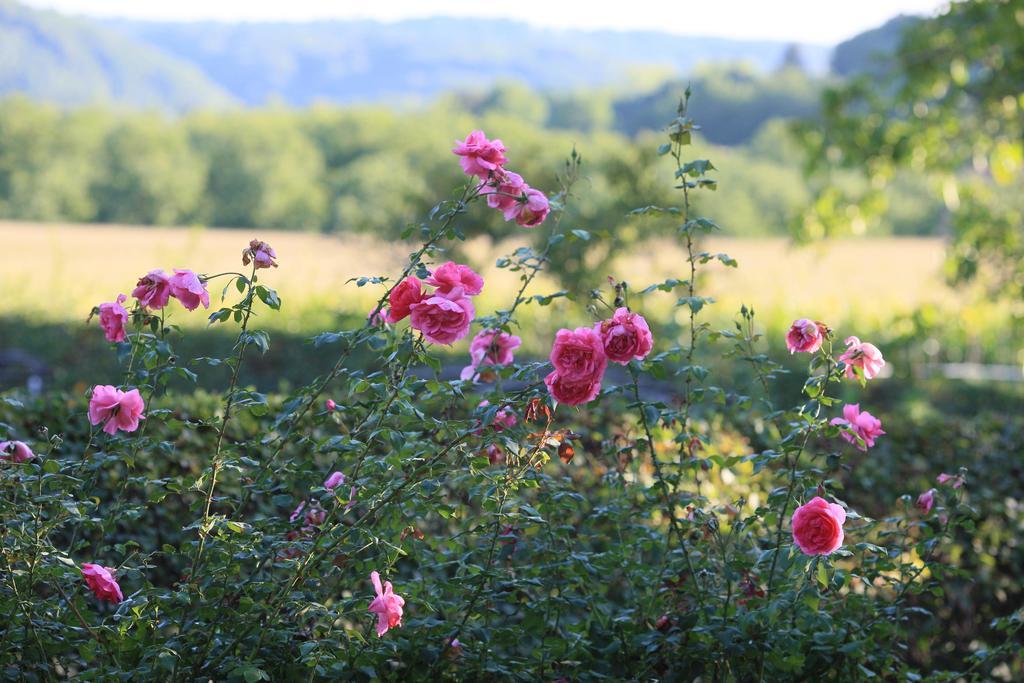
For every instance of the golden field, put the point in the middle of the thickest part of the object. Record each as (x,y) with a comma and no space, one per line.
(59,271)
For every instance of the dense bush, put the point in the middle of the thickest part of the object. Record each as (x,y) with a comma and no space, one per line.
(233,535)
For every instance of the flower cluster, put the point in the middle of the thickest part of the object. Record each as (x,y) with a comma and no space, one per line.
(580,356)
(505,191)
(156,288)
(861,361)
(444,315)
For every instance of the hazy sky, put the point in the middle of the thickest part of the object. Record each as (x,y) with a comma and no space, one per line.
(809,21)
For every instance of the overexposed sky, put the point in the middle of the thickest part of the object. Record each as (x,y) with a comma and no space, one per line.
(807,21)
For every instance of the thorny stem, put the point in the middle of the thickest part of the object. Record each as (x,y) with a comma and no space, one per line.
(243,343)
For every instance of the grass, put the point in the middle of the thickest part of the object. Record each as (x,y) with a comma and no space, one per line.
(61,271)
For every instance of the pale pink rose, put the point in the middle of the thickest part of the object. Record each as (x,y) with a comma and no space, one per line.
(117,409)
(506,193)
(450,275)
(578,355)
(863,424)
(926,500)
(153,290)
(102,583)
(956,479)
(572,392)
(387,605)
(189,289)
(491,347)
(330,405)
(15,451)
(378,317)
(443,318)
(503,419)
(480,156)
(805,336)
(534,210)
(625,336)
(260,253)
(863,357)
(336,479)
(818,527)
(113,318)
(406,293)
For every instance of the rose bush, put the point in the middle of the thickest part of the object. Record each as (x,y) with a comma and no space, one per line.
(535,519)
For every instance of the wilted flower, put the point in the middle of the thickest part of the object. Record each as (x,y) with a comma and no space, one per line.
(259,253)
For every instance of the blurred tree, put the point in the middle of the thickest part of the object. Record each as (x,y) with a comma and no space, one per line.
(48,160)
(151,174)
(950,109)
(263,171)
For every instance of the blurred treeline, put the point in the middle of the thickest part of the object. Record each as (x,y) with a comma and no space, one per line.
(334,169)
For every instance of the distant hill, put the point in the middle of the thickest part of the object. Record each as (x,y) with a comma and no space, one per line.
(869,52)
(72,61)
(358,61)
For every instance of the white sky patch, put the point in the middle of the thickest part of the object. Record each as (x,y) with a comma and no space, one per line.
(823,22)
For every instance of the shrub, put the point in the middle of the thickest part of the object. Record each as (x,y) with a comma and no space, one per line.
(383,523)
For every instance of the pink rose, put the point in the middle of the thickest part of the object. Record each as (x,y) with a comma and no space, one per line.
(118,409)
(15,451)
(805,336)
(153,290)
(818,527)
(865,425)
(336,479)
(503,419)
(102,583)
(506,193)
(926,500)
(378,317)
(534,210)
(450,275)
(861,357)
(572,392)
(443,318)
(625,336)
(579,355)
(330,405)
(187,288)
(406,293)
(956,479)
(492,347)
(480,156)
(113,318)
(297,511)
(260,253)
(387,606)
